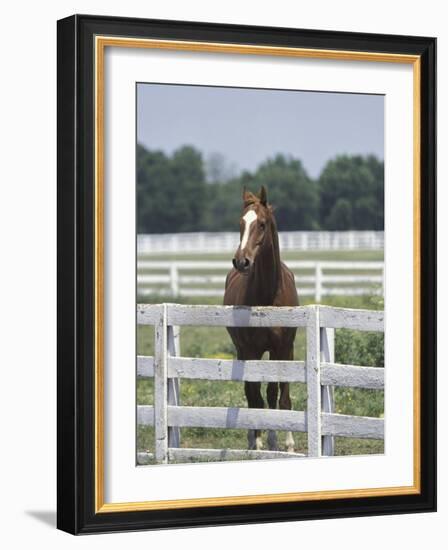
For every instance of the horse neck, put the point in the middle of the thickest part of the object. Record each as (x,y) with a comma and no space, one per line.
(264,281)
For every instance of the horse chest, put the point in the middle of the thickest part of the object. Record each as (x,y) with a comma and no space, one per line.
(256,341)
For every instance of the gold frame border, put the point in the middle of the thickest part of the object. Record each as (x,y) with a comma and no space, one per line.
(101,42)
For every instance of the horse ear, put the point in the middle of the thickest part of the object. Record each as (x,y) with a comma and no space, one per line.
(263,195)
(248,197)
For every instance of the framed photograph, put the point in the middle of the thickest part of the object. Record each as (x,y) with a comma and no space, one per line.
(246,274)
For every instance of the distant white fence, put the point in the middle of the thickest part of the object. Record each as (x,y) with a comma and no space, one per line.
(319,372)
(188,243)
(207,278)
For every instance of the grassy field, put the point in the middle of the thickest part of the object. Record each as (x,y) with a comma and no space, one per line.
(213,342)
(323,255)
(302,274)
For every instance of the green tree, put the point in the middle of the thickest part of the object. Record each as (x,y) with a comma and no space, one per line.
(340,217)
(224,203)
(358,181)
(291,191)
(173,194)
(190,195)
(171,191)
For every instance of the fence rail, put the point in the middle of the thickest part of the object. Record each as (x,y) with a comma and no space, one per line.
(313,278)
(319,371)
(188,243)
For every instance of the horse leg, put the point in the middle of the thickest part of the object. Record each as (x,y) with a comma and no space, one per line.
(272,396)
(254,401)
(285,404)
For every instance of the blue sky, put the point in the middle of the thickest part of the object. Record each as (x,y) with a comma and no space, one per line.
(248,126)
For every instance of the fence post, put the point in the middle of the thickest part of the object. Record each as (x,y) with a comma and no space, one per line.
(173,383)
(318,283)
(313,413)
(327,392)
(160,389)
(174,279)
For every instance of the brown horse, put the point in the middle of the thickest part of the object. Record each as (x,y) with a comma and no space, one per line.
(259,278)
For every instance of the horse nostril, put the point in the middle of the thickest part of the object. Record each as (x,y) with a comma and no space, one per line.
(241,264)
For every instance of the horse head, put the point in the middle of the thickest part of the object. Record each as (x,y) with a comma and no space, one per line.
(257,227)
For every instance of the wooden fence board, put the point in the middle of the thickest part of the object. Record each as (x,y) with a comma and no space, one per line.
(313,383)
(204,242)
(173,277)
(332,374)
(227,417)
(341,425)
(327,391)
(190,455)
(161,388)
(144,457)
(234,369)
(227,454)
(145,366)
(145,415)
(355,319)
(148,314)
(350,376)
(237,316)
(362,427)
(173,382)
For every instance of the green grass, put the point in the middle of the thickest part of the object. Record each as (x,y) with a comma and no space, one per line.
(323,255)
(352,347)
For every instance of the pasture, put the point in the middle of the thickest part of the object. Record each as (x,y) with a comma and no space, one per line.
(352,347)
(321,255)
(318,275)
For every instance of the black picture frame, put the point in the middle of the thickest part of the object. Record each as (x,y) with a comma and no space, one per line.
(76,275)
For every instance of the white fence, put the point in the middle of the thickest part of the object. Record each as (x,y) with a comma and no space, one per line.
(319,372)
(199,243)
(207,278)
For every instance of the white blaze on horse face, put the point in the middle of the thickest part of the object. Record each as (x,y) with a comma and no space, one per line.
(248,218)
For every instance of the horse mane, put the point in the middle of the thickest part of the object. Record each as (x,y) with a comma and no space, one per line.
(275,240)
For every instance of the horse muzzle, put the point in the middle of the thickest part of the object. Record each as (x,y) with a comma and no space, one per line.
(242,264)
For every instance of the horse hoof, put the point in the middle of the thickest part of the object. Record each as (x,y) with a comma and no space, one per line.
(290,449)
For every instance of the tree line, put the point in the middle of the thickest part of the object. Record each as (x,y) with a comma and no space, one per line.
(175,193)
